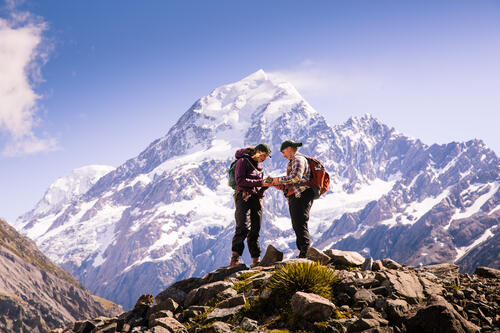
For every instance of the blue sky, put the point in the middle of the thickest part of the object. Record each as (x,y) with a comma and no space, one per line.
(97,81)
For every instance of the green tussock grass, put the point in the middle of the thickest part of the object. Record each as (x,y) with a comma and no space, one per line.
(307,277)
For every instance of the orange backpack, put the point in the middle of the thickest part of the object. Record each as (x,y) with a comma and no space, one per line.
(320,179)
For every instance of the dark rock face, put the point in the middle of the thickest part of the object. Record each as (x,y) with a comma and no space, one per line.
(35,294)
(167,214)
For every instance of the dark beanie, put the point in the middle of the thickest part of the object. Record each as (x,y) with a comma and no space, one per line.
(290,143)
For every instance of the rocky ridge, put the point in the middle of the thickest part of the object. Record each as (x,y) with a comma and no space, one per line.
(35,294)
(366,296)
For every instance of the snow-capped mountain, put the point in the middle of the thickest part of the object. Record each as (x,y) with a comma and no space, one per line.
(168,213)
(59,196)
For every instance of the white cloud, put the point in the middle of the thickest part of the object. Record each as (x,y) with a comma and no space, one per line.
(313,79)
(22,54)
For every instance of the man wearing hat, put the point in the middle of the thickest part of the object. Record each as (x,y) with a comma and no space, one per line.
(300,196)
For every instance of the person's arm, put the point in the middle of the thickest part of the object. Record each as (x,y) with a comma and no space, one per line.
(297,171)
(240,175)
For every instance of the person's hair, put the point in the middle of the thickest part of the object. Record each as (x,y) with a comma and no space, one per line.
(258,153)
(250,150)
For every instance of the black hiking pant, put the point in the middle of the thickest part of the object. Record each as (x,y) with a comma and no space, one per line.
(299,212)
(248,218)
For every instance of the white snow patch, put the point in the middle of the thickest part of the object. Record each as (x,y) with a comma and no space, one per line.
(462,251)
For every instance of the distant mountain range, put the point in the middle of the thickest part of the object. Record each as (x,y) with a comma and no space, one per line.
(168,213)
(35,294)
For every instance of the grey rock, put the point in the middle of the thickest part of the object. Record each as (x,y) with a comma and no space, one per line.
(193,311)
(203,294)
(159,314)
(364,295)
(271,256)
(443,271)
(223,314)
(367,265)
(232,302)
(248,324)
(345,258)
(439,316)
(377,265)
(223,272)
(396,309)
(312,306)
(402,284)
(156,329)
(83,326)
(216,327)
(317,256)
(179,290)
(170,324)
(487,272)
(391,264)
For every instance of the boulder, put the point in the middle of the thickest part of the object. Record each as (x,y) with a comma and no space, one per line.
(442,271)
(487,272)
(223,314)
(317,255)
(83,327)
(377,324)
(216,327)
(272,256)
(248,324)
(222,273)
(345,258)
(203,294)
(396,310)
(391,264)
(364,296)
(159,314)
(166,305)
(156,329)
(401,284)
(311,306)
(179,290)
(377,265)
(367,265)
(439,316)
(170,324)
(193,311)
(232,302)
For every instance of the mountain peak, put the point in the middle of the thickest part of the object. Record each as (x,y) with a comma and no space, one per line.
(259,75)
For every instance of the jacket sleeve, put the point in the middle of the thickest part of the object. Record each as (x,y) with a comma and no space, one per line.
(296,171)
(240,175)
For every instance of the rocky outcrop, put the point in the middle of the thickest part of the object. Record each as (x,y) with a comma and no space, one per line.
(396,298)
(35,294)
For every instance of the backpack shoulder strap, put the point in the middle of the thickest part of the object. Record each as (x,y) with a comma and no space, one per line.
(251,164)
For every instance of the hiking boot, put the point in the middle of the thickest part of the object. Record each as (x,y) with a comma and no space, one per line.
(235,260)
(255,262)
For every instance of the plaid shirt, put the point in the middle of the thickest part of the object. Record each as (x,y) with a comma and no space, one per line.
(298,172)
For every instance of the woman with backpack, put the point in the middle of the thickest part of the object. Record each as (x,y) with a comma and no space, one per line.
(250,187)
